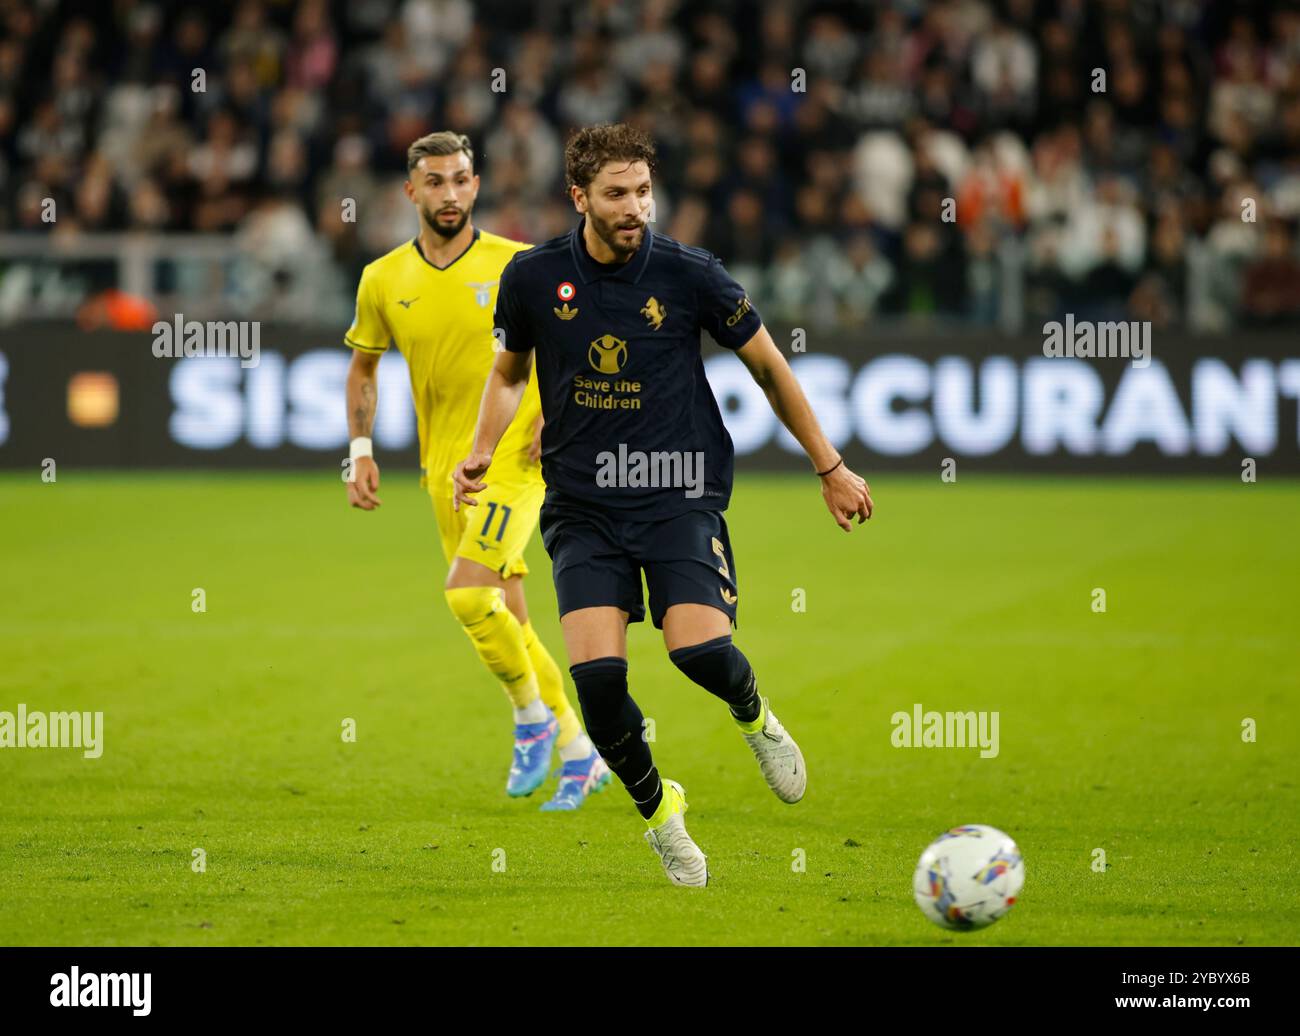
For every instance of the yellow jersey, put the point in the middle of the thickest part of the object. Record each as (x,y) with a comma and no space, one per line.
(441,321)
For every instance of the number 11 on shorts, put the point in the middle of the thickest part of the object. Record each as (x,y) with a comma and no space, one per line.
(492,513)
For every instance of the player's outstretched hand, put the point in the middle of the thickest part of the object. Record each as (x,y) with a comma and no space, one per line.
(364,484)
(466,477)
(846,494)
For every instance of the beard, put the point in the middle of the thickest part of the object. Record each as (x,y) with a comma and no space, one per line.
(609,232)
(444,230)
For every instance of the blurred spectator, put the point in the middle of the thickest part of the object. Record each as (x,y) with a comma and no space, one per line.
(1105,288)
(1105,229)
(1161,293)
(983,274)
(931,273)
(525,153)
(1004,68)
(313,51)
(255,41)
(861,279)
(1271,285)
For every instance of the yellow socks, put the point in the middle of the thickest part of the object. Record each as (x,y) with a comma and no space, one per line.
(499,640)
(551,685)
(516,656)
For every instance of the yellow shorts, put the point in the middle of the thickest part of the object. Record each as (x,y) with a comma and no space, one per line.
(496,532)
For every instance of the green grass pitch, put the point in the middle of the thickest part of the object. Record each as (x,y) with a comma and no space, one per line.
(1119,731)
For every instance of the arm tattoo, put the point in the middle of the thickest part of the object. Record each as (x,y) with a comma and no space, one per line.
(363,415)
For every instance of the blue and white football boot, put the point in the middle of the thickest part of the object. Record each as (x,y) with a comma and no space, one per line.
(578,779)
(532,755)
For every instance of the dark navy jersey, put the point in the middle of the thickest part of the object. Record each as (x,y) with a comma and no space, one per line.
(631,424)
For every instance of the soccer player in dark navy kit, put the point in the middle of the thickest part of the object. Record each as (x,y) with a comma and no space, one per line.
(638,464)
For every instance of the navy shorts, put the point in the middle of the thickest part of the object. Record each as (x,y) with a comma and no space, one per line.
(597,559)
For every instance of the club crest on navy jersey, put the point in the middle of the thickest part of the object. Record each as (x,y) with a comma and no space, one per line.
(654,312)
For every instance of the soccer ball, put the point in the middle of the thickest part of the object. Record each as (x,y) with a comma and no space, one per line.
(968,877)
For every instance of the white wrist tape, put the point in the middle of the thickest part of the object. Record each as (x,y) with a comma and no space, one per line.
(361,447)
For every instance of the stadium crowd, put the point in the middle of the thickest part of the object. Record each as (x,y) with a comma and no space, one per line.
(1135,159)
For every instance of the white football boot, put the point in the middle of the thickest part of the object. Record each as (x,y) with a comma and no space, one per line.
(779,758)
(683,862)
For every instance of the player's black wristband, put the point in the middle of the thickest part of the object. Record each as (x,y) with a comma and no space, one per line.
(823,474)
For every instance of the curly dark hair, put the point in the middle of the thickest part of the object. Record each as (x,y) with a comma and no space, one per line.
(591,147)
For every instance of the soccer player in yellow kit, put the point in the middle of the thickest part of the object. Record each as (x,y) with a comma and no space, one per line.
(434,297)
